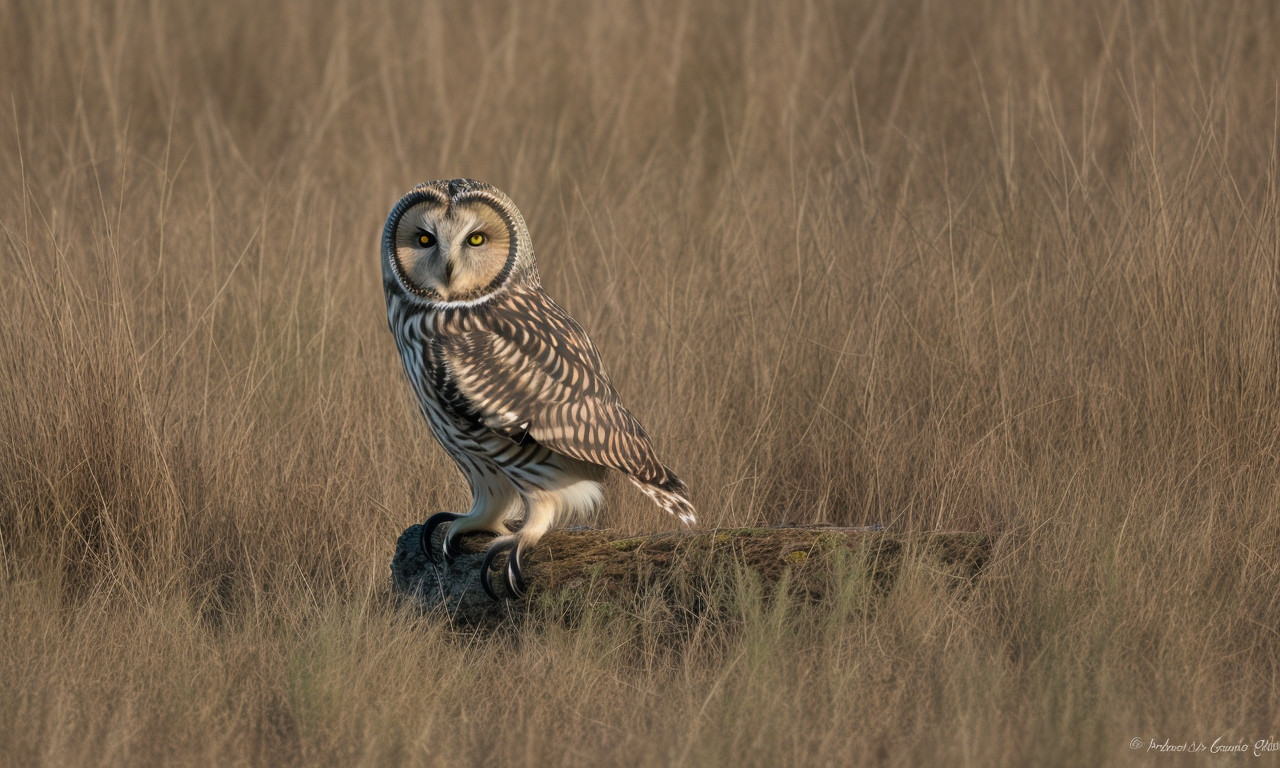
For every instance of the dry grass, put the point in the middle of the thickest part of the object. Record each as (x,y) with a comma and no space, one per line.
(1001,266)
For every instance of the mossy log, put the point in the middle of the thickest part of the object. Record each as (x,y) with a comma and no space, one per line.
(573,567)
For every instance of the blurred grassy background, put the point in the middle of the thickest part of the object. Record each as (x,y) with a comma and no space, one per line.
(1006,266)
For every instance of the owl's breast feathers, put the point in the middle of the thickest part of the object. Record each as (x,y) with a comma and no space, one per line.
(524,368)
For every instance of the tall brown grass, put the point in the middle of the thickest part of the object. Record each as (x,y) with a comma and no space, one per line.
(1001,266)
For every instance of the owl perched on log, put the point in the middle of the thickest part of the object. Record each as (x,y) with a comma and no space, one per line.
(511,386)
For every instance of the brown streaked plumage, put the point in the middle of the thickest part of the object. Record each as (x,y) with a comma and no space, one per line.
(510,384)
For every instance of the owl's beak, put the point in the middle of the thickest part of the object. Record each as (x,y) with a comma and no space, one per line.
(444,264)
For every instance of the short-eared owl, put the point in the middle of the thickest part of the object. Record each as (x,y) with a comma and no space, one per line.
(510,384)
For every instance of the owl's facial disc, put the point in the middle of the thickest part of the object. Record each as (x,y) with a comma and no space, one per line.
(451,252)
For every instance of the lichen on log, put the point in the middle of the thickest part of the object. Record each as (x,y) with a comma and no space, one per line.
(588,565)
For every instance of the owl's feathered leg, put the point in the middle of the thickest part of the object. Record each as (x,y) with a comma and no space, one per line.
(540,514)
(492,499)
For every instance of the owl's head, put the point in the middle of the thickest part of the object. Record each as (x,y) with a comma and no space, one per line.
(455,240)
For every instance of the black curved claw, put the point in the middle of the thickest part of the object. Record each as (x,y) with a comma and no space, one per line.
(429,527)
(449,551)
(515,581)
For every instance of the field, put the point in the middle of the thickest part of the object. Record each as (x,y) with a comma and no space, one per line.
(1000,266)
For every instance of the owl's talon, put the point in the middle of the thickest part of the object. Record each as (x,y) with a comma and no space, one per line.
(515,580)
(447,548)
(513,577)
(429,528)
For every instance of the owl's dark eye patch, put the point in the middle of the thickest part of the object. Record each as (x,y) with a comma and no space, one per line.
(426,239)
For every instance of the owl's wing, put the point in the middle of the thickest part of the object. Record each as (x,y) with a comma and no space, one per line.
(530,369)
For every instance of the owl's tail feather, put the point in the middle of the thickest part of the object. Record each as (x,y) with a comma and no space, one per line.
(673,497)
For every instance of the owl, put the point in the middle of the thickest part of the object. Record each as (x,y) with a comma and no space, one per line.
(510,384)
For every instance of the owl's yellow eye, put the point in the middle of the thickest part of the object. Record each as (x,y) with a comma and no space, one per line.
(476,239)
(425,240)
